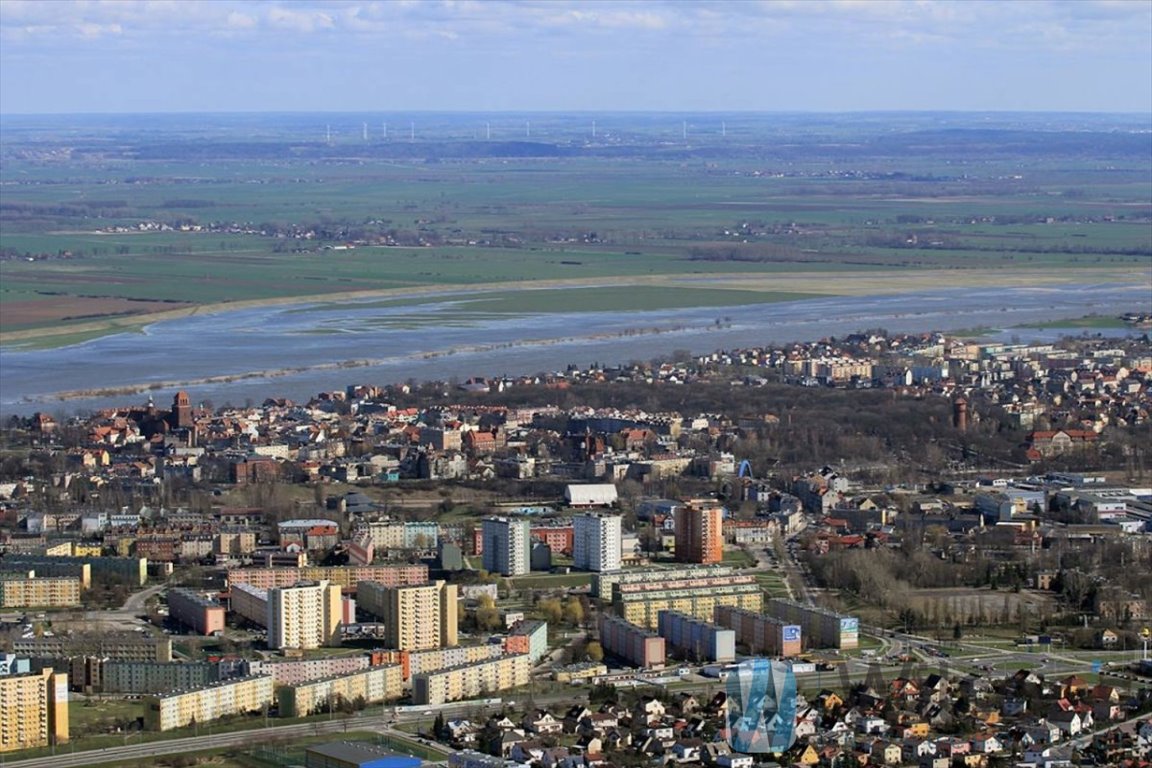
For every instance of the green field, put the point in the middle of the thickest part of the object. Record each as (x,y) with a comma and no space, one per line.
(1087,322)
(96,245)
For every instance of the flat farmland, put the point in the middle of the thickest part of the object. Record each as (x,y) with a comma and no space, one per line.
(132,228)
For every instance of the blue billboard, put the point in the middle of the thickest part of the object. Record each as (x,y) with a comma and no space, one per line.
(791,633)
(761,707)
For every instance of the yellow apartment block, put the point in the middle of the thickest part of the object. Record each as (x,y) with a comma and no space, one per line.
(641,604)
(304,616)
(33,710)
(471,681)
(74,549)
(25,592)
(369,686)
(416,618)
(203,705)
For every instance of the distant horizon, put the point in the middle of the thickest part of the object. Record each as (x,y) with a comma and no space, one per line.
(760,112)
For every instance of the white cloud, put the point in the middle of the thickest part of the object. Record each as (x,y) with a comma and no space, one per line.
(238,20)
(299,21)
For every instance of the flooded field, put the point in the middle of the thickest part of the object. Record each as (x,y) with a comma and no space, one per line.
(299,350)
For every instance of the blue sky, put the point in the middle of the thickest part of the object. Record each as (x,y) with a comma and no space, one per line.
(561,55)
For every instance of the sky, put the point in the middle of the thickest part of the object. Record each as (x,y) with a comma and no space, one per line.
(124,56)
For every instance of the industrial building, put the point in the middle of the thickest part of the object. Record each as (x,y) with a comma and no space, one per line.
(471,681)
(762,634)
(696,639)
(178,709)
(353,754)
(822,628)
(415,618)
(368,686)
(634,644)
(33,710)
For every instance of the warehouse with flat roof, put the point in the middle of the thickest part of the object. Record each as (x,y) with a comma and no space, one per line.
(355,754)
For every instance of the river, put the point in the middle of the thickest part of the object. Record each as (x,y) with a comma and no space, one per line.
(297,351)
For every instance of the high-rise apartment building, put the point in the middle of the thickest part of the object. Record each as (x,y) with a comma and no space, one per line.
(700,533)
(415,618)
(507,546)
(304,616)
(596,542)
(33,710)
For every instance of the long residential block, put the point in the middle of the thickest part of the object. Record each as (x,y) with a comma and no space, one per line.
(822,628)
(641,603)
(697,639)
(50,567)
(368,686)
(202,614)
(346,576)
(128,646)
(25,592)
(154,677)
(203,705)
(471,681)
(419,662)
(602,583)
(763,634)
(296,672)
(635,644)
(249,603)
(133,570)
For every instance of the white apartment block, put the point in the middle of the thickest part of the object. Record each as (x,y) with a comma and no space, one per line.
(596,542)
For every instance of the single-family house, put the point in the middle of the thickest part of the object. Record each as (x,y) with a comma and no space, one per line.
(987,744)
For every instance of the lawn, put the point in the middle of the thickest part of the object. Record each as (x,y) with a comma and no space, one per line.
(550,581)
(1087,322)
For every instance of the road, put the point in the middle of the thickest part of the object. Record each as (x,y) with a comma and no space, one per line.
(249,738)
(136,602)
